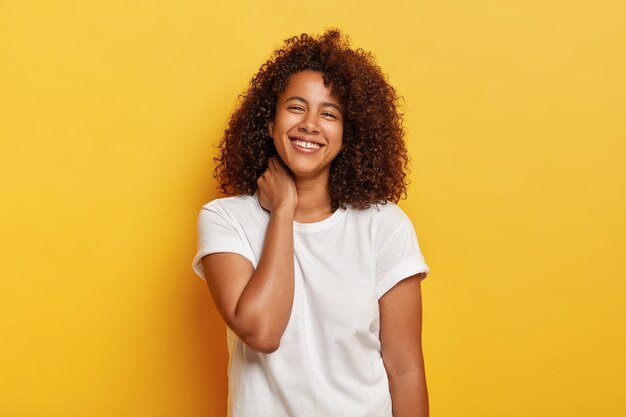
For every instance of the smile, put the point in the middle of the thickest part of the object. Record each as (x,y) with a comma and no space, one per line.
(305,144)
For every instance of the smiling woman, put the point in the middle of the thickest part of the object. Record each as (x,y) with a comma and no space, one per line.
(374,169)
(314,268)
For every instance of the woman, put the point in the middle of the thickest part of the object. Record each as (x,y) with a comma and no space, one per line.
(314,268)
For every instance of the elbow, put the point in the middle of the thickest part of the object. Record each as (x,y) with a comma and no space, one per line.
(265,348)
(267,344)
(260,338)
(258,333)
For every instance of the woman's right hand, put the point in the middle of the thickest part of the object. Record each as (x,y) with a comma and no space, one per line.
(277,190)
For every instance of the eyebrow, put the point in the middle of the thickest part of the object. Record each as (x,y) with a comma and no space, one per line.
(325,104)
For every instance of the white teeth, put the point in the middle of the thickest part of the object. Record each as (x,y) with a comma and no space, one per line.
(307,145)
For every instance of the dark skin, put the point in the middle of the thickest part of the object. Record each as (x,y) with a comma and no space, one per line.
(256,303)
(401,346)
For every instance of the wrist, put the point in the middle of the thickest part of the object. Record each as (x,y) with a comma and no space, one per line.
(284,211)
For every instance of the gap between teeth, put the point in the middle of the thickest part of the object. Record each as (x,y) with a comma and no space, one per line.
(308,145)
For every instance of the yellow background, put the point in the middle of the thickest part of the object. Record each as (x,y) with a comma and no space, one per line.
(516,123)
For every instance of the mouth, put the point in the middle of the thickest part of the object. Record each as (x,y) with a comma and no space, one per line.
(305,143)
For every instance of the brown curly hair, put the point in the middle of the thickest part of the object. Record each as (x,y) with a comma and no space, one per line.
(373,165)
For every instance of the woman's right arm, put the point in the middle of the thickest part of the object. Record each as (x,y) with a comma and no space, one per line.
(256,304)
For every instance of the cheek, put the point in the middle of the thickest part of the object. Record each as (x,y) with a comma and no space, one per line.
(285,121)
(338,135)
(278,144)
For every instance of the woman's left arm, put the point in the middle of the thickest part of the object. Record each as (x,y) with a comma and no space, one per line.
(401,346)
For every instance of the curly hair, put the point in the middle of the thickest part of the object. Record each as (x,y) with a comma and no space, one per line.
(373,165)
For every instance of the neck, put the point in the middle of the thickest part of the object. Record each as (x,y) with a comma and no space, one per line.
(314,202)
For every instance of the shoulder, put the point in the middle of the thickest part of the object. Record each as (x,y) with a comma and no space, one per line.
(385,214)
(232,210)
(379,222)
(232,203)
(383,222)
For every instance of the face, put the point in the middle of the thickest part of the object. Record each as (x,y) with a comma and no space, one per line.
(308,126)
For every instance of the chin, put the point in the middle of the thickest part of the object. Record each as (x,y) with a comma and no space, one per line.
(308,173)
(304,166)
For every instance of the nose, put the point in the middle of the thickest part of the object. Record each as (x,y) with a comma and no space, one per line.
(309,123)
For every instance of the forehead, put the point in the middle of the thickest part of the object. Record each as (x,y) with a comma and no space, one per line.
(310,85)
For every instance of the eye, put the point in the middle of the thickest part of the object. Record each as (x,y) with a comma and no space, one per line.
(329,115)
(296,108)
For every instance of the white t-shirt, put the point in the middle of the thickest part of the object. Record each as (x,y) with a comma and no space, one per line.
(329,361)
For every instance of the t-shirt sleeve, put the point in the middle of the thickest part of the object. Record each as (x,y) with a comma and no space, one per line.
(400,257)
(216,233)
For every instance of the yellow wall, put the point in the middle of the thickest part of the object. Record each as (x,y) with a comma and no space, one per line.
(516,119)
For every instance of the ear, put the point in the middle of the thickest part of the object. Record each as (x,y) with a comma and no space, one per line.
(270,128)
